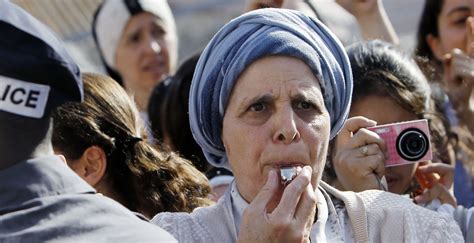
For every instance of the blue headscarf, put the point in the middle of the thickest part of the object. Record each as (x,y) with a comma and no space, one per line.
(248,38)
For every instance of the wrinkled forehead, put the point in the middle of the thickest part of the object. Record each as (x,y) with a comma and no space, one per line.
(276,70)
(273,78)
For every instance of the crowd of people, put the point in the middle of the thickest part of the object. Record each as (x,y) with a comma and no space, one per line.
(196,152)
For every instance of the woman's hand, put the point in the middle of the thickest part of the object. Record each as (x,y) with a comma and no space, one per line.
(258,4)
(440,188)
(372,18)
(360,7)
(459,77)
(290,221)
(359,159)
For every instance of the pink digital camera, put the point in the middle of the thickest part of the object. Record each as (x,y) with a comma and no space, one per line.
(407,142)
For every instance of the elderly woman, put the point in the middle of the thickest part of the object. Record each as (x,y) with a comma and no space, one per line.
(269,92)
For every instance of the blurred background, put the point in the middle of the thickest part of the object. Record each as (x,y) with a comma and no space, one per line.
(197,21)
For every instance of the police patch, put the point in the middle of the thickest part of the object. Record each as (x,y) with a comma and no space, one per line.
(23,98)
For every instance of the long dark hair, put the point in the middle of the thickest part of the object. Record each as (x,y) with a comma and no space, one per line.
(149,181)
(428,25)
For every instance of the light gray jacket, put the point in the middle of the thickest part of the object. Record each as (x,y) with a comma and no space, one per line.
(376,216)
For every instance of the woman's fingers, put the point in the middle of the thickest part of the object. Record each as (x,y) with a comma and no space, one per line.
(360,174)
(267,192)
(438,191)
(367,150)
(463,67)
(286,209)
(351,126)
(359,160)
(445,171)
(364,137)
(306,210)
(459,78)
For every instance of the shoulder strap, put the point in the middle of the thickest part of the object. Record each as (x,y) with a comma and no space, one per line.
(355,208)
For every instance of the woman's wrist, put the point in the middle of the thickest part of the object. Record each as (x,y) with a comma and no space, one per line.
(369,14)
(375,24)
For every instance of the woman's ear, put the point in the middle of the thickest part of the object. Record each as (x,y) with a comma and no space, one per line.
(93,163)
(435,45)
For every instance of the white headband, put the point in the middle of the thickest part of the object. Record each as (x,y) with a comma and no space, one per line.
(113,17)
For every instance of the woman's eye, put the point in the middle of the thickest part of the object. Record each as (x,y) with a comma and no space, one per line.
(304,105)
(257,107)
(460,20)
(135,38)
(158,32)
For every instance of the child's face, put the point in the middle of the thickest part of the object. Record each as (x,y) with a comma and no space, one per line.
(385,110)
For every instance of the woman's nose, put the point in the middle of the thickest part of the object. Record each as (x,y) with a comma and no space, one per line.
(153,46)
(285,127)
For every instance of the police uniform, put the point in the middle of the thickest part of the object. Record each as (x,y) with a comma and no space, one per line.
(43,200)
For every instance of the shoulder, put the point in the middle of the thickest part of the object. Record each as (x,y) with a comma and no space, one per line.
(392,218)
(391,213)
(78,217)
(206,224)
(126,225)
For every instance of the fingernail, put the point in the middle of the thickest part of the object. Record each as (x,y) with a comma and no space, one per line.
(373,122)
(271,174)
(302,171)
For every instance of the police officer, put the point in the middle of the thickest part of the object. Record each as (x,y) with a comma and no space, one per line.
(41,199)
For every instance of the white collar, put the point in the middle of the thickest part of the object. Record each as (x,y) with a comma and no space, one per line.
(238,205)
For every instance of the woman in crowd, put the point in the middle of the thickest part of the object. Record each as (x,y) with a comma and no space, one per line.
(384,80)
(138,44)
(101,139)
(168,113)
(387,80)
(445,51)
(270,90)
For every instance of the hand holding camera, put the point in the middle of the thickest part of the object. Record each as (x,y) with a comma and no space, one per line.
(358,156)
(364,151)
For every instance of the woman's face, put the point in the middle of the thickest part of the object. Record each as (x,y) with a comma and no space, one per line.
(385,110)
(275,116)
(146,52)
(452,29)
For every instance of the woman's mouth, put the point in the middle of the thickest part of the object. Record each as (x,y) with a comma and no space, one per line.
(391,180)
(153,68)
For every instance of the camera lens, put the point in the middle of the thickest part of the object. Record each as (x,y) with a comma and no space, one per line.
(412,144)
